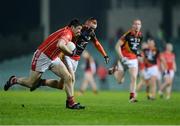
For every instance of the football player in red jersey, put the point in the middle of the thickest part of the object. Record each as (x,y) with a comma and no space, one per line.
(87,36)
(46,57)
(128,49)
(169,65)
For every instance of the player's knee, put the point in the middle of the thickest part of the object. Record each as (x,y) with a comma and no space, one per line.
(169,84)
(68,78)
(133,78)
(73,80)
(120,80)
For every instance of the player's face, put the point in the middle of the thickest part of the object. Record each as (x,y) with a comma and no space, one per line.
(136,25)
(91,25)
(169,47)
(144,45)
(77,30)
(151,44)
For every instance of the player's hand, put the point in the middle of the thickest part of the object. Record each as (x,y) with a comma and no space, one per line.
(124,60)
(73,52)
(138,54)
(166,72)
(106,58)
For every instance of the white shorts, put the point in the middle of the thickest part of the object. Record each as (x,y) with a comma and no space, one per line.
(40,62)
(141,73)
(159,77)
(151,71)
(170,74)
(72,64)
(130,64)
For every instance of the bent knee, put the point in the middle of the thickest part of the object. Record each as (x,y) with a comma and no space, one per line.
(133,78)
(68,78)
(120,80)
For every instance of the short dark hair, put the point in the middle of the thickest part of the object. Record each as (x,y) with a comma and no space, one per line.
(75,22)
(92,18)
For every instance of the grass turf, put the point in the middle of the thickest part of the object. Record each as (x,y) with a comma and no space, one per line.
(111,107)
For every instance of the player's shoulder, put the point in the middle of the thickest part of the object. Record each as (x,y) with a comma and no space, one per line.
(67,33)
(124,36)
(129,32)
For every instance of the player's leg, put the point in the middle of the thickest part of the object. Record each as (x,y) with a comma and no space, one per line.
(58,84)
(33,78)
(169,88)
(153,73)
(61,70)
(119,76)
(148,94)
(167,81)
(159,80)
(71,66)
(153,80)
(133,71)
(140,84)
(147,77)
(133,76)
(141,80)
(92,82)
(84,83)
(168,84)
(118,72)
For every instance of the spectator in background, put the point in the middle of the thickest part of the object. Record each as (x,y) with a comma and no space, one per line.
(102,74)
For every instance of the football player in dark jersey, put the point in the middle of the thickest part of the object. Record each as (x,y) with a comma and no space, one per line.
(151,68)
(128,49)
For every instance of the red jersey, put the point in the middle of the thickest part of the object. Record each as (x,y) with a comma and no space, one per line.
(169,59)
(49,46)
(131,45)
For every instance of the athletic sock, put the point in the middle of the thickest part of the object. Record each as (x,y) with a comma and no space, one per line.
(13,80)
(70,100)
(132,95)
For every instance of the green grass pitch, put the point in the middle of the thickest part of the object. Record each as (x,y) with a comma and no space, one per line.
(109,107)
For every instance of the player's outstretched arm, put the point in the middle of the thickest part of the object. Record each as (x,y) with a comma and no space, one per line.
(100,48)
